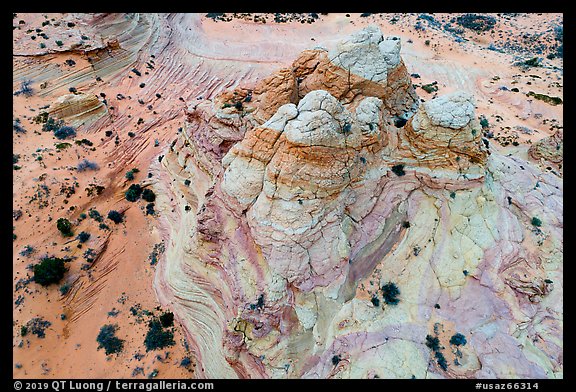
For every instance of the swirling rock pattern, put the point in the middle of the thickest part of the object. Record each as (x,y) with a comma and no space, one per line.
(307,200)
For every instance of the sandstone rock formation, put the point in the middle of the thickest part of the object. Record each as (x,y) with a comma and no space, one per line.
(550,149)
(307,199)
(78,109)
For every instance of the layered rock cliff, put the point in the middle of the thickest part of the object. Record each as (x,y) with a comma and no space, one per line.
(332,225)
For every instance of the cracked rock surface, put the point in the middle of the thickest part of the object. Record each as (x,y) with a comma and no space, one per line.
(308,200)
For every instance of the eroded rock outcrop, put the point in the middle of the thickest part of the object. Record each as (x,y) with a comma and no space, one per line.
(308,200)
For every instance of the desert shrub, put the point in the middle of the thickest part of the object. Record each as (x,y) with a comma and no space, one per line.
(148,195)
(27,251)
(458,339)
(49,270)
(476,22)
(130,174)
(94,214)
(336,360)
(375,301)
(64,132)
(85,164)
(536,222)
(150,209)
(390,293)
(115,216)
(157,338)
(65,288)
(50,124)
(167,319)
(441,360)
(133,193)
(108,340)
(83,237)
(398,170)
(433,343)
(59,43)
(65,227)
(25,89)
(430,87)
(18,128)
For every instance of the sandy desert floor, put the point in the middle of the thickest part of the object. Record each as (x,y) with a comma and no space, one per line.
(146,69)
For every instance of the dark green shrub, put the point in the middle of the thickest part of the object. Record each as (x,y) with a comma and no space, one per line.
(157,338)
(64,132)
(65,227)
(108,340)
(49,270)
(398,170)
(536,222)
(441,360)
(133,193)
(484,122)
(458,339)
(390,293)
(59,43)
(115,216)
(433,343)
(95,215)
(83,237)
(148,195)
(476,22)
(167,319)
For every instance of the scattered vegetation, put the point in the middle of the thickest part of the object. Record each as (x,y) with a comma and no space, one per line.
(65,132)
(37,326)
(546,98)
(25,89)
(65,227)
(50,270)
(476,22)
(27,251)
(94,214)
(108,340)
(18,128)
(85,164)
(484,122)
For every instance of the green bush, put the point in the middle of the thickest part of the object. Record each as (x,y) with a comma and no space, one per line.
(390,293)
(108,340)
(65,227)
(433,343)
(157,338)
(49,270)
(148,195)
(167,319)
(536,222)
(398,170)
(458,339)
(133,193)
(115,216)
(83,237)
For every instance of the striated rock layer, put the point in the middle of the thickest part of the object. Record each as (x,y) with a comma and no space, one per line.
(307,196)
